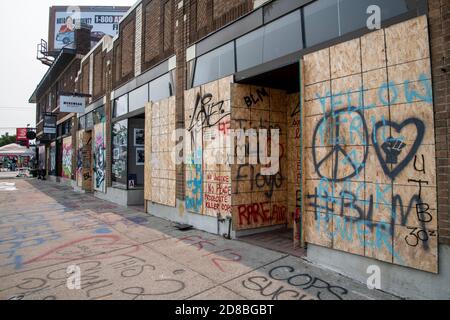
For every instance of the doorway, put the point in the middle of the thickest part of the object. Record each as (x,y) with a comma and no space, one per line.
(266,208)
(128,159)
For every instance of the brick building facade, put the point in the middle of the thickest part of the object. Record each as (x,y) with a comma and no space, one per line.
(439,20)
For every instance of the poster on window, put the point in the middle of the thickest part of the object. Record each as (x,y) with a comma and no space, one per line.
(120,152)
(139,137)
(140,156)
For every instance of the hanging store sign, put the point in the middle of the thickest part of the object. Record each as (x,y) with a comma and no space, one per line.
(21,137)
(49,124)
(72,104)
(21,134)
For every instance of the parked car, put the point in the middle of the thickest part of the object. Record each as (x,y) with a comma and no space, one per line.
(66,37)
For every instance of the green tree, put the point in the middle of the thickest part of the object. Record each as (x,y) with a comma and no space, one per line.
(7,139)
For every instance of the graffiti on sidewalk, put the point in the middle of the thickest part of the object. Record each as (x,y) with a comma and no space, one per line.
(221,258)
(105,246)
(21,232)
(301,285)
(124,276)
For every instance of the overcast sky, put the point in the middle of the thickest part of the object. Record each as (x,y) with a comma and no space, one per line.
(23,23)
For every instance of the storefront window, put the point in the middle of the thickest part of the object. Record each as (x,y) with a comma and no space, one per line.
(59,130)
(90,121)
(321,21)
(249,49)
(99,115)
(82,123)
(66,128)
(282,36)
(215,65)
(120,106)
(353,13)
(138,98)
(275,40)
(329,19)
(161,88)
(119,154)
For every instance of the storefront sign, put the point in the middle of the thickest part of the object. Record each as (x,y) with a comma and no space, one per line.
(21,134)
(72,104)
(21,137)
(49,124)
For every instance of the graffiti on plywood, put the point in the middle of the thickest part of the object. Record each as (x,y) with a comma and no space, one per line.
(79,158)
(99,149)
(67,153)
(370,172)
(259,200)
(208,176)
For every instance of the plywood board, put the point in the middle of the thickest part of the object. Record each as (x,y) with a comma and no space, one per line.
(370,169)
(208,124)
(160,169)
(99,157)
(79,155)
(87,170)
(194,153)
(148,153)
(163,169)
(67,155)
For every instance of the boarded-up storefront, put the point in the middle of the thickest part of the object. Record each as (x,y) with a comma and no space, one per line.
(208,173)
(370,173)
(84,160)
(67,154)
(355,163)
(228,130)
(99,156)
(160,170)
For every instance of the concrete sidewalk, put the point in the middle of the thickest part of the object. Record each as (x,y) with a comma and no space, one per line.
(126,254)
(8,175)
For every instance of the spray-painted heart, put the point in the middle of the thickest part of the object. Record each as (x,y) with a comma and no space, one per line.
(420,126)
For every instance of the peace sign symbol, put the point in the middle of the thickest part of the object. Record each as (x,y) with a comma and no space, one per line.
(343,160)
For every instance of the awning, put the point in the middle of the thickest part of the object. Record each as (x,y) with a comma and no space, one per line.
(16,150)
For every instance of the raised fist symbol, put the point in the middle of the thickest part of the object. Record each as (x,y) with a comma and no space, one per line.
(392,147)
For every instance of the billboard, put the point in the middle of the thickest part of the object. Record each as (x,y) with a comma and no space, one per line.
(64,19)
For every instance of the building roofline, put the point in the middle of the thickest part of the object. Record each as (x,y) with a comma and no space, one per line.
(59,62)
